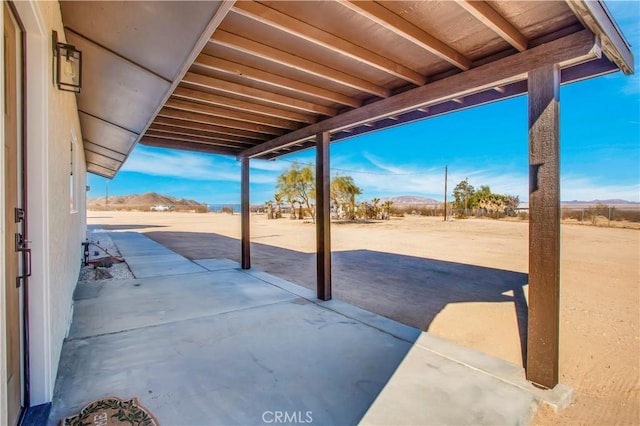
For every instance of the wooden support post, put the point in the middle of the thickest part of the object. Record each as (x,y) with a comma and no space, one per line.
(544,226)
(323,216)
(245,209)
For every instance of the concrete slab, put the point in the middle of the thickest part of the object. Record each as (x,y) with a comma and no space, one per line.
(131,304)
(394,328)
(239,367)
(429,389)
(217,264)
(146,258)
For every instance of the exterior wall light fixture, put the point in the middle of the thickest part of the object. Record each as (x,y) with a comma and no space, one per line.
(68,66)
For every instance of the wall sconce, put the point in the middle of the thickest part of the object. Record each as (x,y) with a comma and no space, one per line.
(68,66)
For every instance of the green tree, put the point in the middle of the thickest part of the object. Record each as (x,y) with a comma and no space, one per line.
(463,195)
(344,191)
(298,183)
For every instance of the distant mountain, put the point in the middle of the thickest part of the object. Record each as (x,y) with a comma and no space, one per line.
(144,202)
(410,200)
(614,201)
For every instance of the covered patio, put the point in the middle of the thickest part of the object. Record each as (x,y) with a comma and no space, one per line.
(206,342)
(259,80)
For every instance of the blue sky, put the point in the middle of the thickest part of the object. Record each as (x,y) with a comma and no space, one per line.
(600,149)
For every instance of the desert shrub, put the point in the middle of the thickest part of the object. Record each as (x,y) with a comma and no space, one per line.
(628,215)
(228,210)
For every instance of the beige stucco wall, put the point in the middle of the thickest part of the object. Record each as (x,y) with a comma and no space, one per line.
(67,228)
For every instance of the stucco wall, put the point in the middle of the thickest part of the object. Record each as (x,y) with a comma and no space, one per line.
(67,228)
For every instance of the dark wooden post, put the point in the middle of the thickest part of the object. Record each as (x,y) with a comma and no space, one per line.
(544,226)
(323,217)
(245,209)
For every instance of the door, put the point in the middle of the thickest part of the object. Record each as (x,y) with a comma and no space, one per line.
(13,219)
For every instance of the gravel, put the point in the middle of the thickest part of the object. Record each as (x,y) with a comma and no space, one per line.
(100,247)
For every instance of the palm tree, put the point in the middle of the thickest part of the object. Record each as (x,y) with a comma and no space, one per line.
(344,190)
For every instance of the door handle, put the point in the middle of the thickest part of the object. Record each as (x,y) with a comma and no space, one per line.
(21,247)
(26,266)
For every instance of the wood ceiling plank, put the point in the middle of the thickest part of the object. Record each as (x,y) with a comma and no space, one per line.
(188,146)
(218,121)
(231,114)
(257,94)
(219,64)
(224,101)
(186,124)
(386,18)
(483,12)
(201,133)
(290,25)
(570,50)
(269,53)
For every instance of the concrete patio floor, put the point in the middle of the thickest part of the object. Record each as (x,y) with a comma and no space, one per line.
(205,343)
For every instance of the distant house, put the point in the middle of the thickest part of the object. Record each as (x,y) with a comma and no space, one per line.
(161,208)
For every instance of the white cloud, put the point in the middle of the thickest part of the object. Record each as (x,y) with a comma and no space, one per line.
(180,164)
(583,188)
(269,166)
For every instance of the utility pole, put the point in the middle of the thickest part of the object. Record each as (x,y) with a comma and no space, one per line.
(445,192)
(106,197)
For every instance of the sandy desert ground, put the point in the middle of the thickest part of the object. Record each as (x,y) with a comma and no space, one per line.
(464,280)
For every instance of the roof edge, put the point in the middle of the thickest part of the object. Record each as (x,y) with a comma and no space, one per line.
(597,18)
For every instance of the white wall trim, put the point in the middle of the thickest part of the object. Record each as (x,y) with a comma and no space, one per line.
(38,57)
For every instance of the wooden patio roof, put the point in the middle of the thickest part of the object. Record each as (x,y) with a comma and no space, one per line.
(261,79)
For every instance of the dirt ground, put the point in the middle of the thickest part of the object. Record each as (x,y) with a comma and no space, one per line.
(464,280)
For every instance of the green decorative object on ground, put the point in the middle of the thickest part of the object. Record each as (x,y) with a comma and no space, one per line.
(112,411)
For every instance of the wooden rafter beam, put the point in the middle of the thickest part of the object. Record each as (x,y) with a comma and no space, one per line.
(570,50)
(193,139)
(254,74)
(187,146)
(392,22)
(311,34)
(256,94)
(483,12)
(231,114)
(173,130)
(185,93)
(269,53)
(217,121)
(210,128)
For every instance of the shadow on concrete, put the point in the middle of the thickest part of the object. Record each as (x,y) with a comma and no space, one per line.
(407,289)
(124,227)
